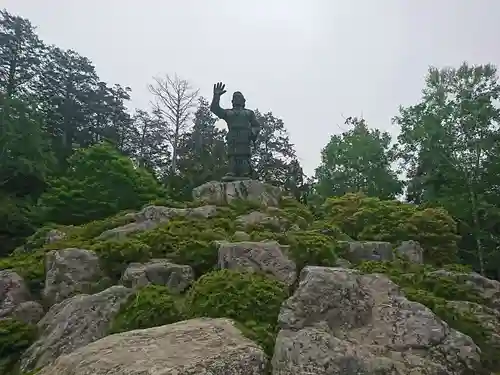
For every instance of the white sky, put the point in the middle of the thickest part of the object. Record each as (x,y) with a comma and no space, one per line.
(310,62)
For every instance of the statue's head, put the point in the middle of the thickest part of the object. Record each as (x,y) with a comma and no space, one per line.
(238,100)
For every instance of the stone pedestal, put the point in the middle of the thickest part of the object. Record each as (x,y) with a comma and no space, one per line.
(224,192)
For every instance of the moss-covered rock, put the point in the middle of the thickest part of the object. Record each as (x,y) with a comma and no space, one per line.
(250,299)
(149,306)
(439,292)
(15,337)
(308,247)
(30,266)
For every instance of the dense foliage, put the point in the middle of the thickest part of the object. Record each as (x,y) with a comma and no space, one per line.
(372,219)
(99,183)
(15,337)
(74,159)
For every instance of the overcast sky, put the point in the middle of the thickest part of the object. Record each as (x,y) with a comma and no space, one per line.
(310,62)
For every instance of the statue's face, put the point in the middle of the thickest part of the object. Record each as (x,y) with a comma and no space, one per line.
(238,100)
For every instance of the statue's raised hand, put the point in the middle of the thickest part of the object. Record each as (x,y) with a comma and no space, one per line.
(219,89)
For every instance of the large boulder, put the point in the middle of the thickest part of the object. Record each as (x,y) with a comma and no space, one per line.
(359,251)
(223,193)
(15,299)
(268,258)
(74,323)
(151,217)
(176,277)
(70,272)
(411,251)
(13,292)
(341,322)
(192,347)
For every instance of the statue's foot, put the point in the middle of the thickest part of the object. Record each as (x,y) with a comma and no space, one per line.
(229,177)
(232,177)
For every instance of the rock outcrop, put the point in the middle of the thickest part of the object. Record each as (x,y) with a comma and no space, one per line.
(176,277)
(13,291)
(73,323)
(268,258)
(70,272)
(15,299)
(411,251)
(340,322)
(358,251)
(151,217)
(193,347)
(223,193)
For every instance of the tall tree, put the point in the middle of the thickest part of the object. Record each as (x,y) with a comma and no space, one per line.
(20,55)
(274,157)
(25,159)
(25,162)
(147,144)
(358,160)
(447,143)
(174,103)
(79,109)
(201,152)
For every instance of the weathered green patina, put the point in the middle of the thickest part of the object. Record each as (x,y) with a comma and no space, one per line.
(243,130)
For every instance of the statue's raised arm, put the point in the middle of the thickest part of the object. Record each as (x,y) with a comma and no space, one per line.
(219,90)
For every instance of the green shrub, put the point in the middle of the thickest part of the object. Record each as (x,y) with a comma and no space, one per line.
(94,228)
(100,182)
(250,299)
(15,338)
(185,242)
(150,306)
(294,208)
(372,219)
(116,255)
(16,221)
(306,247)
(37,239)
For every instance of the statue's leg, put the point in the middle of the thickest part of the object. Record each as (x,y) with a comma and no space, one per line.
(244,165)
(232,164)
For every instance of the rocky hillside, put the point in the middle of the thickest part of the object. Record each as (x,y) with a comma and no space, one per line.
(245,281)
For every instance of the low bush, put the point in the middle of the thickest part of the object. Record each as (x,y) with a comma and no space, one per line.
(116,255)
(252,300)
(372,219)
(150,306)
(306,247)
(185,242)
(15,337)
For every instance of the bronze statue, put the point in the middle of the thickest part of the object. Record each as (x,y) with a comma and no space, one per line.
(243,129)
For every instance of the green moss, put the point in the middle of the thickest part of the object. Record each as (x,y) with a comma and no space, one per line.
(252,300)
(115,255)
(15,338)
(150,306)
